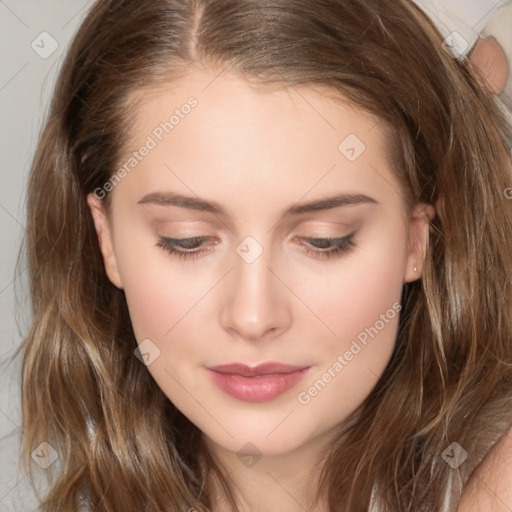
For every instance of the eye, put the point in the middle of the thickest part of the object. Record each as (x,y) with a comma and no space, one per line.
(184,247)
(330,247)
(188,248)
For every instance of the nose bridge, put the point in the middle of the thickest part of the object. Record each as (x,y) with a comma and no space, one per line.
(255,303)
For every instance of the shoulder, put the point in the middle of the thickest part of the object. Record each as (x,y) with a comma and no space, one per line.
(490,487)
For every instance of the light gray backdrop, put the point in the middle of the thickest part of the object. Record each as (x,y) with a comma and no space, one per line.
(34,36)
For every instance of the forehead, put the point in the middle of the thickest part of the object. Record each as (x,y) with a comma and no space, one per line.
(216,133)
(223,93)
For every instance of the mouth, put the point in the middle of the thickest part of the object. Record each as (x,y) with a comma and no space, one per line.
(256,383)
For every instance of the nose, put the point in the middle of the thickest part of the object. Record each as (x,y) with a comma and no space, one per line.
(255,303)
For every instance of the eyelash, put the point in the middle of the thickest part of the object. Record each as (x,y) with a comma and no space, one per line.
(341,246)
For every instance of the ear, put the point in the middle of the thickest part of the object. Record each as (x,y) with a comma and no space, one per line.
(419,224)
(104,232)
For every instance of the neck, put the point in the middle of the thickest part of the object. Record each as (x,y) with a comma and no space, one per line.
(286,482)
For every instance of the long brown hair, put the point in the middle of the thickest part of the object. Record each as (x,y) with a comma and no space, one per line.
(450,376)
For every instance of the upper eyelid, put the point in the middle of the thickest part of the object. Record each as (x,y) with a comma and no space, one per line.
(324,237)
(333,240)
(204,238)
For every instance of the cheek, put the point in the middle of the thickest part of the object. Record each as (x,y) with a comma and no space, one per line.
(161,303)
(361,304)
(351,294)
(156,292)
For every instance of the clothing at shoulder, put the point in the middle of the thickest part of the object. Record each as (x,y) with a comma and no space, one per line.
(490,488)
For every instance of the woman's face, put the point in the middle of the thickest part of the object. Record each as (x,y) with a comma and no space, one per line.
(258,178)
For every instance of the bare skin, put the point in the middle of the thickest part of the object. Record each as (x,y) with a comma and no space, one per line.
(258,154)
(492,62)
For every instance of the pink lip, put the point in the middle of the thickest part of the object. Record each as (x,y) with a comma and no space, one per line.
(256,384)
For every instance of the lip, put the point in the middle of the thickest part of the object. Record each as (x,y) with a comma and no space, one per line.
(256,383)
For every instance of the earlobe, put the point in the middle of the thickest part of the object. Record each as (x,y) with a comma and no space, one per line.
(105,241)
(418,240)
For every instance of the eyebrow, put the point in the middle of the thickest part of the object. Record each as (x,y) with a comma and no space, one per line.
(195,203)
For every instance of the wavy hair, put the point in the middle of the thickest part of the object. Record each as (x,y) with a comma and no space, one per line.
(450,376)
